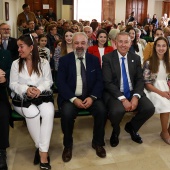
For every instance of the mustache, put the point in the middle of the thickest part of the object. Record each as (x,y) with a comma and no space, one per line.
(80,48)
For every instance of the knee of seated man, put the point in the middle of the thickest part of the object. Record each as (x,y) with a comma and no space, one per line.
(149,109)
(100,108)
(67,111)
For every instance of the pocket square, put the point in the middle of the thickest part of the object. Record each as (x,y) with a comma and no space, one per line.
(93,70)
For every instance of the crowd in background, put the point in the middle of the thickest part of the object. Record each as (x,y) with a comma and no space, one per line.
(54,39)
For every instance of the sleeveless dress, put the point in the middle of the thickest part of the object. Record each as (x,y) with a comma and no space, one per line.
(162,104)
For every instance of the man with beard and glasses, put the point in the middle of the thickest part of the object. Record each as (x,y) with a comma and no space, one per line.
(8,43)
(80,87)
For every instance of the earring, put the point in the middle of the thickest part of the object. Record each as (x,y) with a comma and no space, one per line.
(31,53)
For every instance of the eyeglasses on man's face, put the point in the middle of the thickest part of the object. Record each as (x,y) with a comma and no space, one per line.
(5,29)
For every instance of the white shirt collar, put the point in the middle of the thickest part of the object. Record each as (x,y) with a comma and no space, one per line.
(120,56)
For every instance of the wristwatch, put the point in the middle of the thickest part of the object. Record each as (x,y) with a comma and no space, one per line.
(93,97)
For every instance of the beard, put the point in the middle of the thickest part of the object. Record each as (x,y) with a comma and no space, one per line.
(5,35)
(80,52)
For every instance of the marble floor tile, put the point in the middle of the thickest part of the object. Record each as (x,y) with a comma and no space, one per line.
(153,154)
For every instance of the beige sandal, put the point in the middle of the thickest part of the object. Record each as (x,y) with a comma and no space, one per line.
(164,139)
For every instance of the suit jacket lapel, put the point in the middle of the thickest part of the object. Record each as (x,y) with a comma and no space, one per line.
(130,66)
(88,64)
(116,64)
(73,68)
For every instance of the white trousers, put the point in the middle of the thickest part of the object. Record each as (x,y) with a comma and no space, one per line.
(39,131)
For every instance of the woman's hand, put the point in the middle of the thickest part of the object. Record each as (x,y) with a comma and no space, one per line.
(165,94)
(2,76)
(2,73)
(37,92)
(2,79)
(33,92)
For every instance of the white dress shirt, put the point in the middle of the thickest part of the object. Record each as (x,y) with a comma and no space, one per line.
(79,83)
(127,72)
(20,81)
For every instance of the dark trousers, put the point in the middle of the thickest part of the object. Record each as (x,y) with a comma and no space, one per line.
(4,125)
(68,115)
(145,110)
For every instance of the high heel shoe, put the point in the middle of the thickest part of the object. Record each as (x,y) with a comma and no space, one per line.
(45,165)
(166,140)
(37,157)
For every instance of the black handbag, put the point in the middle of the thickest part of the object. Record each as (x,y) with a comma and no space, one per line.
(45,96)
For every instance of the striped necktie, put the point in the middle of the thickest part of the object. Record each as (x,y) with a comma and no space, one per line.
(5,44)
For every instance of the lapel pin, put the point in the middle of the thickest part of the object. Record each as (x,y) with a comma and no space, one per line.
(132,61)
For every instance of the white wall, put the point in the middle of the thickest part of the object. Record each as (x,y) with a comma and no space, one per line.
(120,10)
(85,11)
(158,9)
(151,7)
(1,11)
(155,7)
(12,15)
(67,11)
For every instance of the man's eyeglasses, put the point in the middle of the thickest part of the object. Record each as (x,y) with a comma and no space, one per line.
(5,29)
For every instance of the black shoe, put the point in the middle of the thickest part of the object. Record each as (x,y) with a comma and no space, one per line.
(67,154)
(134,135)
(37,157)
(3,164)
(100,151)
(114,140)
(45,165)
(48,159)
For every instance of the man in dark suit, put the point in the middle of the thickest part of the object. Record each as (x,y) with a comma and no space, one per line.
(31,26)
(8,43)
(50,14)
(80,86)
(147,20)
(124,93)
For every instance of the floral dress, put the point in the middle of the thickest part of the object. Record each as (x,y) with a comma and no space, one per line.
(160,81)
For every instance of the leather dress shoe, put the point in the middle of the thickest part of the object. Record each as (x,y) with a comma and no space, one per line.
(114,140)
(45,165)
(3,164)
(100,151)
(37,157)
(67,154)
(134,135)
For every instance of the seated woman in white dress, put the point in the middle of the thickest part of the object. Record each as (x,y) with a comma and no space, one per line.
(157,83)
(30,77)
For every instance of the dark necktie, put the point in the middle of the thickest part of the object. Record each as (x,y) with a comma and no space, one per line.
(5,44)
(83,76)
(125,80)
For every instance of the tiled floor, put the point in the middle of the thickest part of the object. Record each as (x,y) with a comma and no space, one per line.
(153,154)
